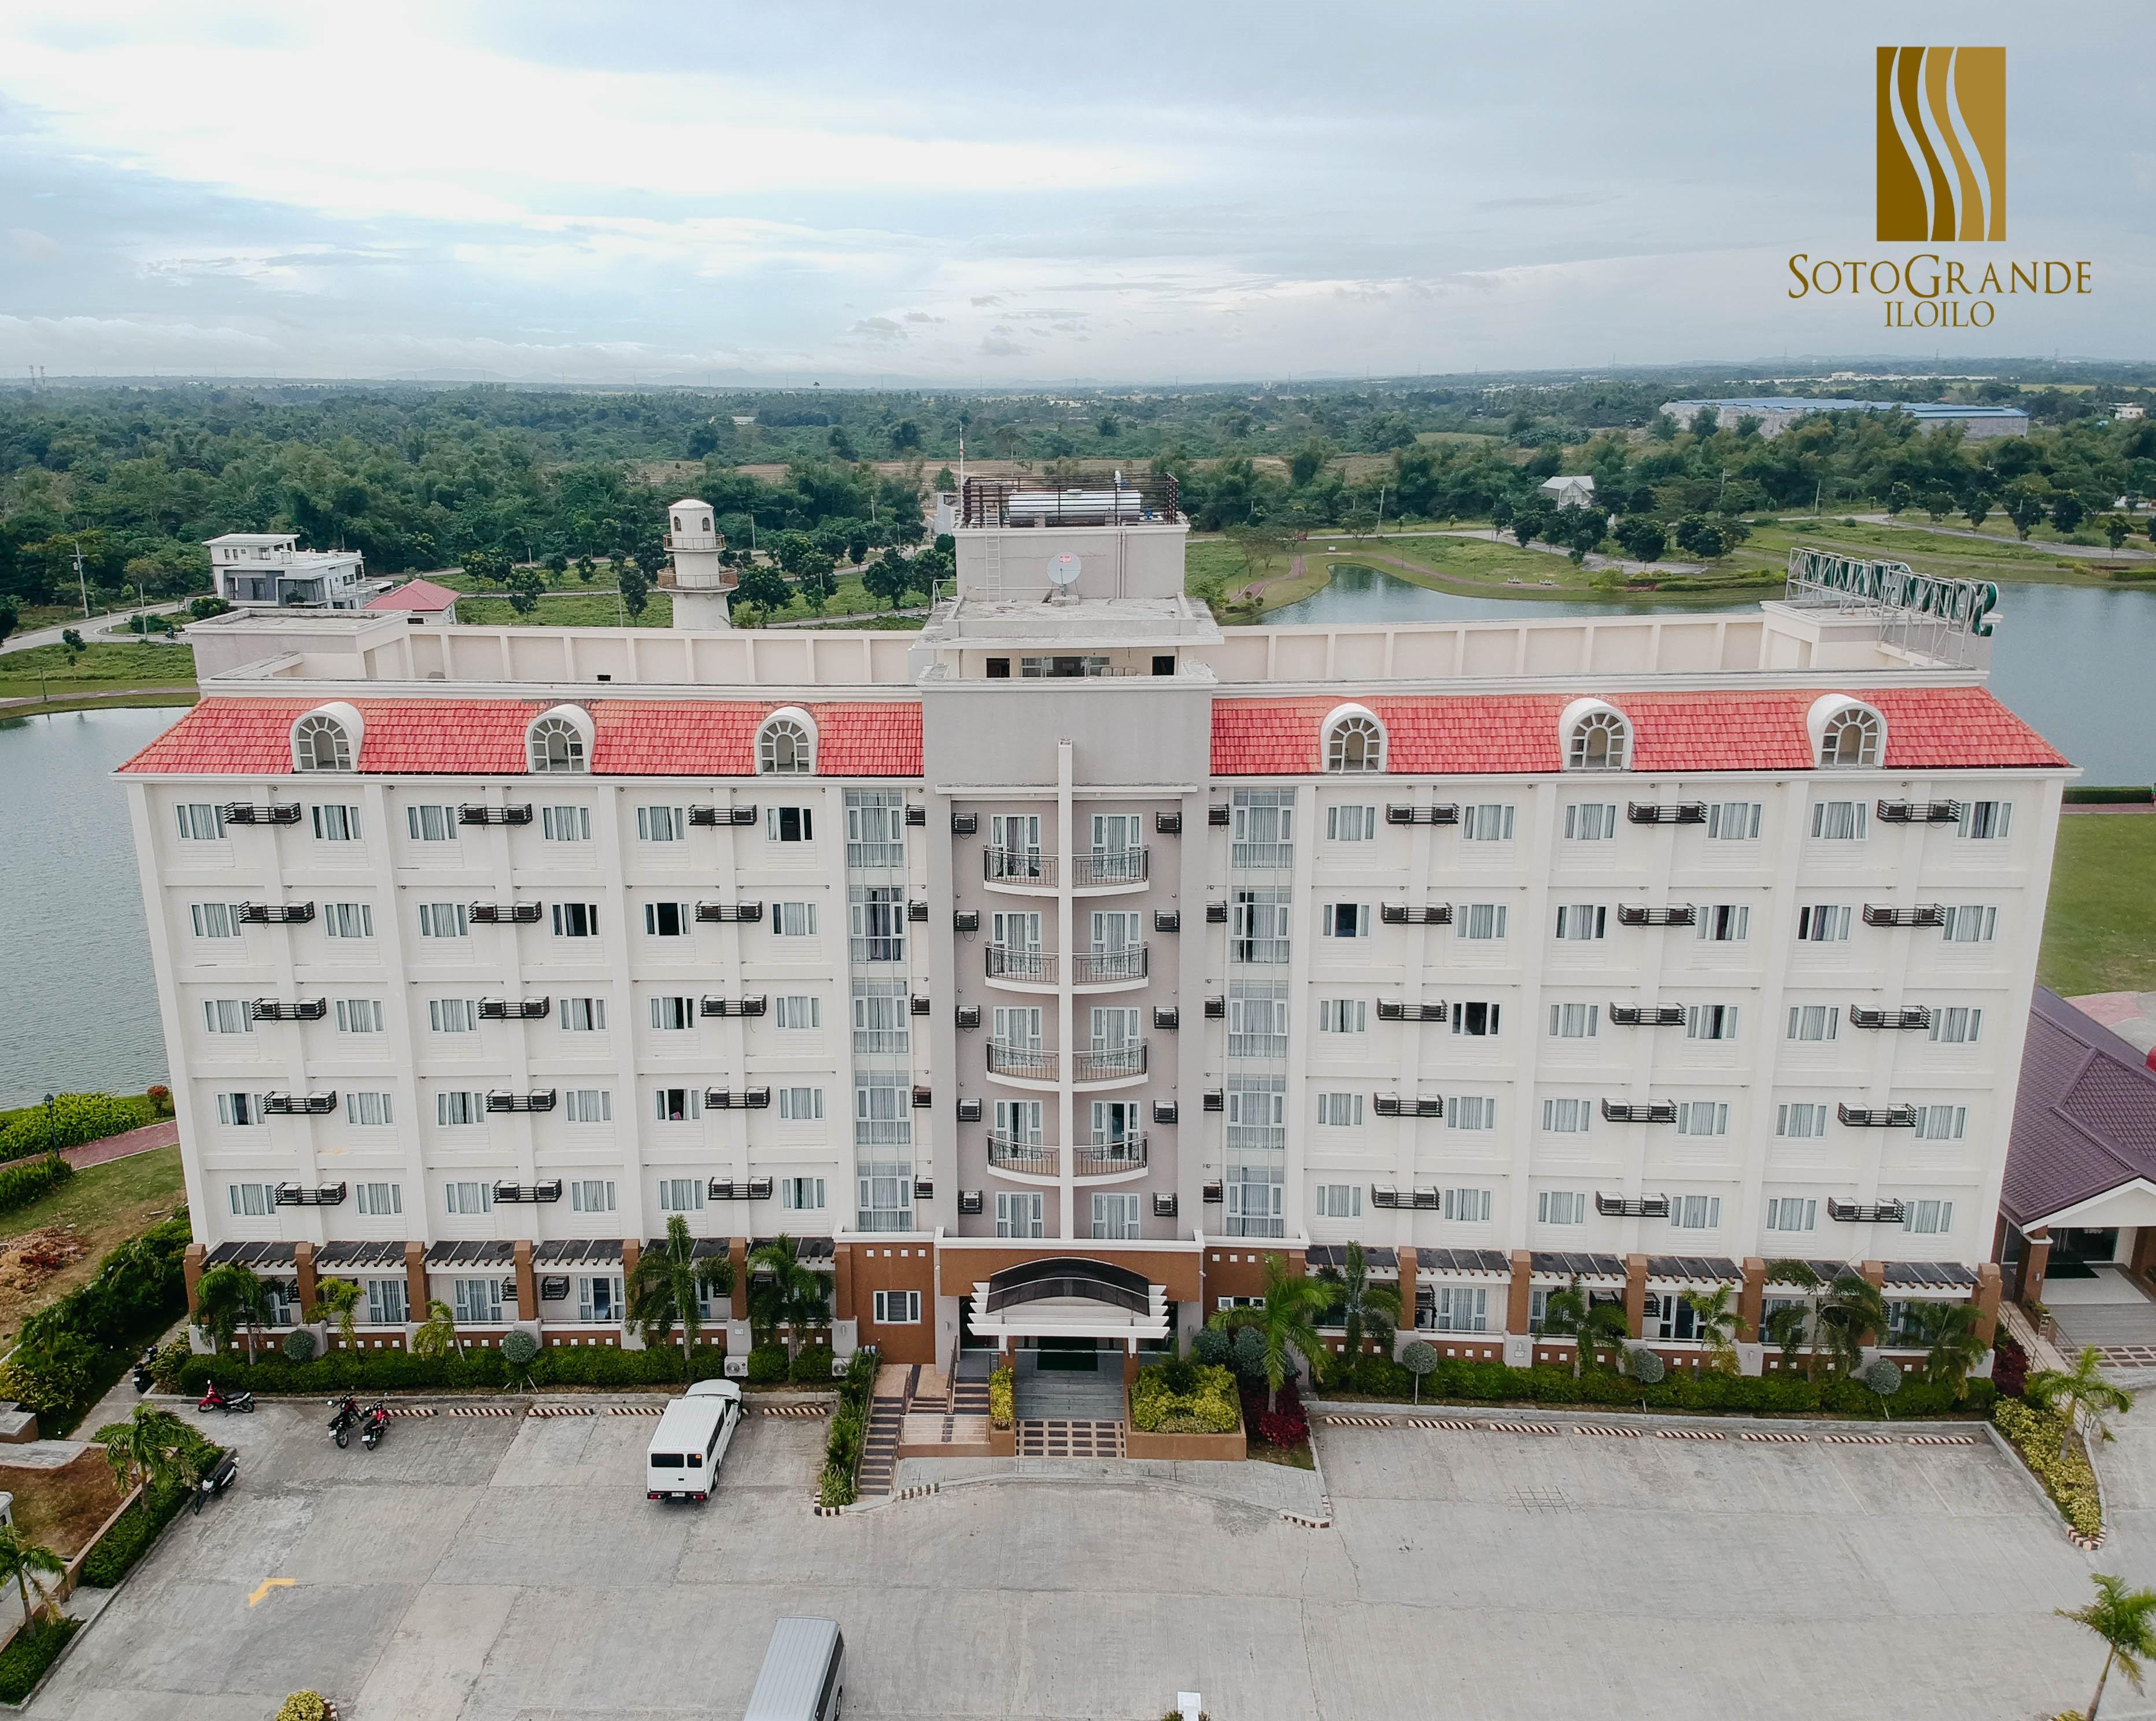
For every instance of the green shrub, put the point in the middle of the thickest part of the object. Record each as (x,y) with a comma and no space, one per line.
(836,1487)
(32,1181)
(1212,1405)
(519,1349)
(1003,1398)
(29,1653)
(813,1367)
(304,1706)
(1790,1394)
(75,1118)
(298,1345)
(2037,1435)
(767,1364)
(375,1371)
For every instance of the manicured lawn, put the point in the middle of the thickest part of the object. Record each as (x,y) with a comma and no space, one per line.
(99,1208)
(584,609)
(2002,559)
(2100,930)
(97,668)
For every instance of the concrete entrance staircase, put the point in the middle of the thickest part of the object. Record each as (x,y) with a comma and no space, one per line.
(887,1412)
(1063,1413)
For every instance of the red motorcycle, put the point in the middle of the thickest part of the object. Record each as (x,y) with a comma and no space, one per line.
(232,1404)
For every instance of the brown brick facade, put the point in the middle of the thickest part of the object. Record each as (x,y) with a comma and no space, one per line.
(894,1267)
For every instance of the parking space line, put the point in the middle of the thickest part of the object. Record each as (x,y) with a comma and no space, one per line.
(262,1589)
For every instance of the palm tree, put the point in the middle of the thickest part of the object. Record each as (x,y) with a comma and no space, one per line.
(228,1297)
(1785,1329)
(1714,1319)
(433,1337)
(670,1285)
(2083,1391)
(782,1291)
(1798,1275)
(2122,1617)
(337,1300)
(22,1559)
(1363,1309)
(1949,1331)
(1285,1320)
(1593,1327)
(1852,1311)
(149,1446)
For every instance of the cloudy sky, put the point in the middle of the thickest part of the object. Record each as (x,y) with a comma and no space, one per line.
(1193,190)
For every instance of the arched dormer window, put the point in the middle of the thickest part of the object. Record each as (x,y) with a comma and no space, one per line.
(559,742)
(785,744)
(1597,736)
(1354,741)
(327,739)
(1845,734)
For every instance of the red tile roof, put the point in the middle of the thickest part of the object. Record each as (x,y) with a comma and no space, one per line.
(252,737)
(420,594)
(1928,728)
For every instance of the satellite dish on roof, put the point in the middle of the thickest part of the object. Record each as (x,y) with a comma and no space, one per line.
(1063,570)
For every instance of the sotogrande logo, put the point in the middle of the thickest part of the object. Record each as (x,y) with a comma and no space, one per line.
(1942,163)
(1942,144)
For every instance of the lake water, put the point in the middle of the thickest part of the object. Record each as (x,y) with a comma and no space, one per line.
(82,1009)
(2071,659)
(2063,657)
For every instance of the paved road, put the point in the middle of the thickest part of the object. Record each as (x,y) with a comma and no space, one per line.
(96,627)
(2098,552)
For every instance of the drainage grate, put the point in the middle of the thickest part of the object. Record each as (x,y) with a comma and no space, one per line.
(1052,1438)
(1541,1500)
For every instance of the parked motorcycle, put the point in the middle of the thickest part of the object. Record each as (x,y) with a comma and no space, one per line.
(215,1480)
(348,1416)
(375,1426)
(232,1404)
(142,1369)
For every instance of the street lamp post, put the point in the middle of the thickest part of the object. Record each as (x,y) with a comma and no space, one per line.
(52,1128)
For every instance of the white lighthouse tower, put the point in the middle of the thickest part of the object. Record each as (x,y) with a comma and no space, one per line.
(700,585)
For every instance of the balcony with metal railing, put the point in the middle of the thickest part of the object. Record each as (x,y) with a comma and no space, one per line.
(1018,1062)
(1127,967)
(1024,1159)
(1110,869)
(1024,870)
(1019,964)
(1123,1158)
(1104,1066)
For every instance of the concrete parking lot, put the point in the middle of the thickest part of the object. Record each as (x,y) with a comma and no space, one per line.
(488,1569)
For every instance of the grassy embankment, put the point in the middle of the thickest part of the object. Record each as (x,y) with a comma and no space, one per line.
(99,1208)
(99,674)
(2099,926)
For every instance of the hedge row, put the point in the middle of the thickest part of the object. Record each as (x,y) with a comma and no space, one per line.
(371,1371)
(29,1653)
(847,1436)
(1768,1394)
(32,1181)
(2098,795)
(74,1118)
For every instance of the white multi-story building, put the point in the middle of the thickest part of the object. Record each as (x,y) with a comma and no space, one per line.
(1046,970)
(269,570)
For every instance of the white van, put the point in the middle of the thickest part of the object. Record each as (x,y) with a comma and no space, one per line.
(683,1460)
(805,1673)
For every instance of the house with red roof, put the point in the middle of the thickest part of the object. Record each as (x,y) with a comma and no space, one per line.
(432,605)
(1047,970)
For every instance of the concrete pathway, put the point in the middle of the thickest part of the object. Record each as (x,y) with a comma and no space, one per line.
(70,695)
(121,1147)
(2131,1015)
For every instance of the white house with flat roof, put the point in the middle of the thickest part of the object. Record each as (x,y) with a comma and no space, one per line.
(270,570)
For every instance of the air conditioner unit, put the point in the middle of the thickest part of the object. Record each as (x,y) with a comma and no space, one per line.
(1167,920)
(1164,1111)
(969,1201)
(1167,824)
(965,824)
(1167,1017)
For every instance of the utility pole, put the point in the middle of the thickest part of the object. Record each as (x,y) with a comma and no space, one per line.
(81,580)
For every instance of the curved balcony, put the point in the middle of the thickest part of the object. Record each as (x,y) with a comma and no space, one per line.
(1023,1159)
(1109,1159)
(1103,1067)
(1110,869)
(1026,871)
(1028,1064)
(1111,968)
(1019,967)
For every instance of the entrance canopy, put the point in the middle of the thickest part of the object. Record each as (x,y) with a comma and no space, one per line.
(1068,1296)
